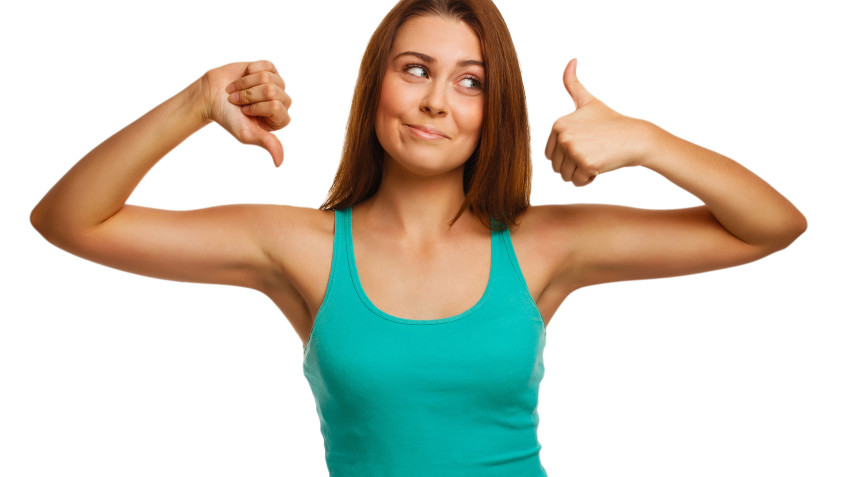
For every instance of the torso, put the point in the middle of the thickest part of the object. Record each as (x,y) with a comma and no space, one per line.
(402,279)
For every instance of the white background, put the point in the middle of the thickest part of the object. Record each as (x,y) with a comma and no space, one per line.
(740,372)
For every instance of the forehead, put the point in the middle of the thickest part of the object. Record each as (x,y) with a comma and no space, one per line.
(439,37)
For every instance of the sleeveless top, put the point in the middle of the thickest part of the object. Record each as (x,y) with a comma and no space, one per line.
(449,397)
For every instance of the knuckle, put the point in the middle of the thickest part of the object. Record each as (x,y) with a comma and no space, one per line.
(243,134)
(258,66)
(578,158)
(560,124)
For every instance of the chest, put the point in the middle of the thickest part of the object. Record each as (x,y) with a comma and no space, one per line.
(425,282)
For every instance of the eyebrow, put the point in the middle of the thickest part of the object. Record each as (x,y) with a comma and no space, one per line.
(430,59)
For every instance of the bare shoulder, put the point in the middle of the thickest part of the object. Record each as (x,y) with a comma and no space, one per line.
(542,240)
(543,230)
(550,242)
(293,224)
(299,244)
(563,229)
(296,237)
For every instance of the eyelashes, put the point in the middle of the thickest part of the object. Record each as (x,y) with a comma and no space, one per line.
(422,72)
(477,84)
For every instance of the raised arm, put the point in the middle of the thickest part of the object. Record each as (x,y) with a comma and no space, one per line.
(85,212)
(743,218)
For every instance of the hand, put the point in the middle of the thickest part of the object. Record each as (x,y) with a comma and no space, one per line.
(593,139)
(249,101)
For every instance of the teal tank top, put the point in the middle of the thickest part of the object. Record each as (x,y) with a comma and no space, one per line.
(449,397)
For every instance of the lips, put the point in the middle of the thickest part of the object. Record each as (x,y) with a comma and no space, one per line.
(427,132)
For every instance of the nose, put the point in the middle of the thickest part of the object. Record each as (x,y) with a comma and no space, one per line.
(434,101)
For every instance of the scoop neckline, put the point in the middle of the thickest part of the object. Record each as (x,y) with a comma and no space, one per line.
(354,271)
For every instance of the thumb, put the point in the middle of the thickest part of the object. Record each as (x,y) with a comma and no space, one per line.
(272,145)
(578,93)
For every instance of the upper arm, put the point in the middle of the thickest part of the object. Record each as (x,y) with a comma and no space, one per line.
(223,245)
(604,243)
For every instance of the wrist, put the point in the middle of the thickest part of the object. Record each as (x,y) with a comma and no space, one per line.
(197,99)
(655,141)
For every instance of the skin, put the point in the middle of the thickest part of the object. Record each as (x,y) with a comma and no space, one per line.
(285,252)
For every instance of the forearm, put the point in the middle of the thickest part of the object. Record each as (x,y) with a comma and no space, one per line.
(100,183)
(745,205)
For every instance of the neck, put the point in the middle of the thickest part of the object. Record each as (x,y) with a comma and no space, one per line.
(416,207)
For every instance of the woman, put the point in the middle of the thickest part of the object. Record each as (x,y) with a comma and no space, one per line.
(422,287)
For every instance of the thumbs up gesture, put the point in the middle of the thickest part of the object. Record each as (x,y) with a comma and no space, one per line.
(593,139)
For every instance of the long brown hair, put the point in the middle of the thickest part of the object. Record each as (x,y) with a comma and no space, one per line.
(496,178)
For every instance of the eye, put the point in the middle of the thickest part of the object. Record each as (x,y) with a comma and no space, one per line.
(471,82)
(416,70)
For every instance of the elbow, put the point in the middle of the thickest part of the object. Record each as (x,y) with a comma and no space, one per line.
(801,226)
(43,222)
(793,228)
(37,220)
(798,227)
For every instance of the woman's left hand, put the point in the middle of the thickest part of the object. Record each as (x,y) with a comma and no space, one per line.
(593,139)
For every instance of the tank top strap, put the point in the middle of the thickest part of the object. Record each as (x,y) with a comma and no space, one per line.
(339,270)
(507,271)
(338,284)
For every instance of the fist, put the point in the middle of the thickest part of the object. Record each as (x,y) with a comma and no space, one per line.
(249,100)
(593,139)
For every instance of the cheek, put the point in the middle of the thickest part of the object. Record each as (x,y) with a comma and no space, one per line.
(392,99)
(471,118)
(388,108)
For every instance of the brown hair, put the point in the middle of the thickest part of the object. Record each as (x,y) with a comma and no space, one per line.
(496,178)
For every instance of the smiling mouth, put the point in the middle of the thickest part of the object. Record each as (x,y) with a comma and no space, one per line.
(426,132)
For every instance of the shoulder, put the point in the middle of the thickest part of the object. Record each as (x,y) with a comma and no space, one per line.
(546,225)
(550,224)
(552,241)
(291,222)
(544,244)
(550,229)
(569,228)
(297,240)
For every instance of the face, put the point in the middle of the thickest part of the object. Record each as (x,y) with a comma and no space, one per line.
(431,102)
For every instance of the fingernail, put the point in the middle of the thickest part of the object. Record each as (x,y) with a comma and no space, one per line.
(234,97)
(230,88)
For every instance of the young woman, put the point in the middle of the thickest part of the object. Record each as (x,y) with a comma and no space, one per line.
(422,287)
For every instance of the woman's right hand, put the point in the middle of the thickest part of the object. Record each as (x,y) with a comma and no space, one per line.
(248,99)
(86,212)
